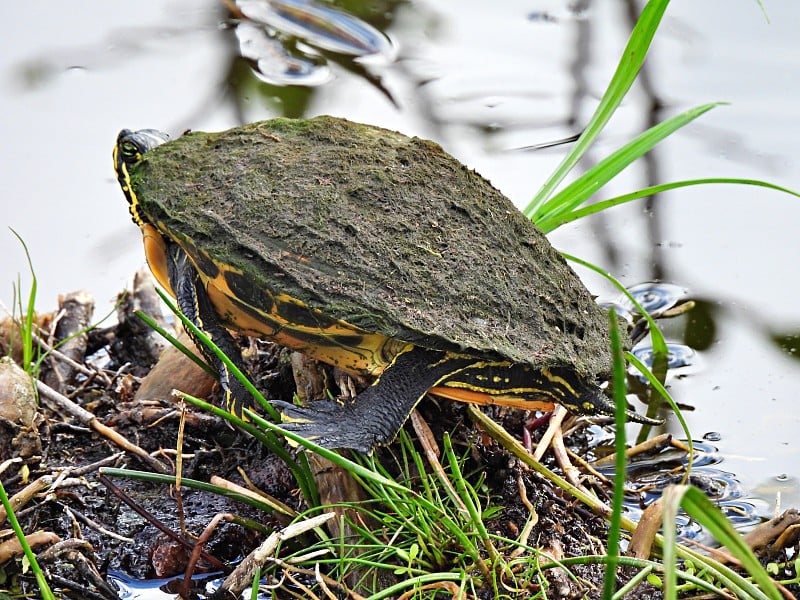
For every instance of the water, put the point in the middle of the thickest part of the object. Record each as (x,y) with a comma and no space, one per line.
(484,80)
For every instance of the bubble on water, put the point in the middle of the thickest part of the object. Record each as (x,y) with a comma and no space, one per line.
(678,355)
(653,297)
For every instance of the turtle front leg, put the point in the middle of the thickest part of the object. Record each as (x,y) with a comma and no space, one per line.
(196,306)
(377,414)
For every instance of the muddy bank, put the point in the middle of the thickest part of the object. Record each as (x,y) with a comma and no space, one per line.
(105,401)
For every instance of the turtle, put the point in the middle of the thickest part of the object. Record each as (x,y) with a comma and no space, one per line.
(371,251)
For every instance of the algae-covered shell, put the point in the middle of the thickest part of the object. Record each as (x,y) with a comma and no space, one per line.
(368,226)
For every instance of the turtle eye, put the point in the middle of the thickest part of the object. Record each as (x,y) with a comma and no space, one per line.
(130,152)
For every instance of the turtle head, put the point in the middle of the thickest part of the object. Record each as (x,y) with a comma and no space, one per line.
(130,147)
(594,402)
(582,397)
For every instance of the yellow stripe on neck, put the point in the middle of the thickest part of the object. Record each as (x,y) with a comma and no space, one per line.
(125,183)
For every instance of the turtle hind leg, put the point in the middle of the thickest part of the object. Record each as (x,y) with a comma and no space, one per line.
(377,414)
(196,306)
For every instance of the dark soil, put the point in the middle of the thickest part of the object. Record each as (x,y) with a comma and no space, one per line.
(90,531)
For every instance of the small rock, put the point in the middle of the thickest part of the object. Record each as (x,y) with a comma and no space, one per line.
(17,395)
(175,371)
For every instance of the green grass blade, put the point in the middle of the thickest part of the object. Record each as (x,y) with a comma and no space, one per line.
(299,468)
(662,391)
(265,430)
(151,323)
(628,68)
(699,507)
(670,544)
(585,186)
(266,435)
(518,450)
(354,468)
(28,313)
(234,369)
(550,223)
(44,588)
(403,587)
(194,484)
(620,446)
(472,507)
(659,344)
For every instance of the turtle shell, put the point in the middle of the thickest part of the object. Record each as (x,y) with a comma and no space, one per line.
(368,226)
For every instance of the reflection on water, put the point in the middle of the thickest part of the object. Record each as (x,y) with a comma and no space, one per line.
(648,476)
(318,25)
(659,300)
(654,297)
(167,589)
(283,39)
(678,357)
(273,64)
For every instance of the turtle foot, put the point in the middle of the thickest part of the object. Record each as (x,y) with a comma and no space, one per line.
(375,416)
(334,426)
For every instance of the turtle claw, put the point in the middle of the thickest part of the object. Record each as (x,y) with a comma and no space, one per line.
(331,425)
(300,414)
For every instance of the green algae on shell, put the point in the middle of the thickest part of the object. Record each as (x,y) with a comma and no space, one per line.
(388,233)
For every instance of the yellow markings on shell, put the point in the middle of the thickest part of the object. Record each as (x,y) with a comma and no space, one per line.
(155,251)
(446,358)
(370,356)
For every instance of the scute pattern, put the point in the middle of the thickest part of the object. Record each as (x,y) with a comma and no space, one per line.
(385,232)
